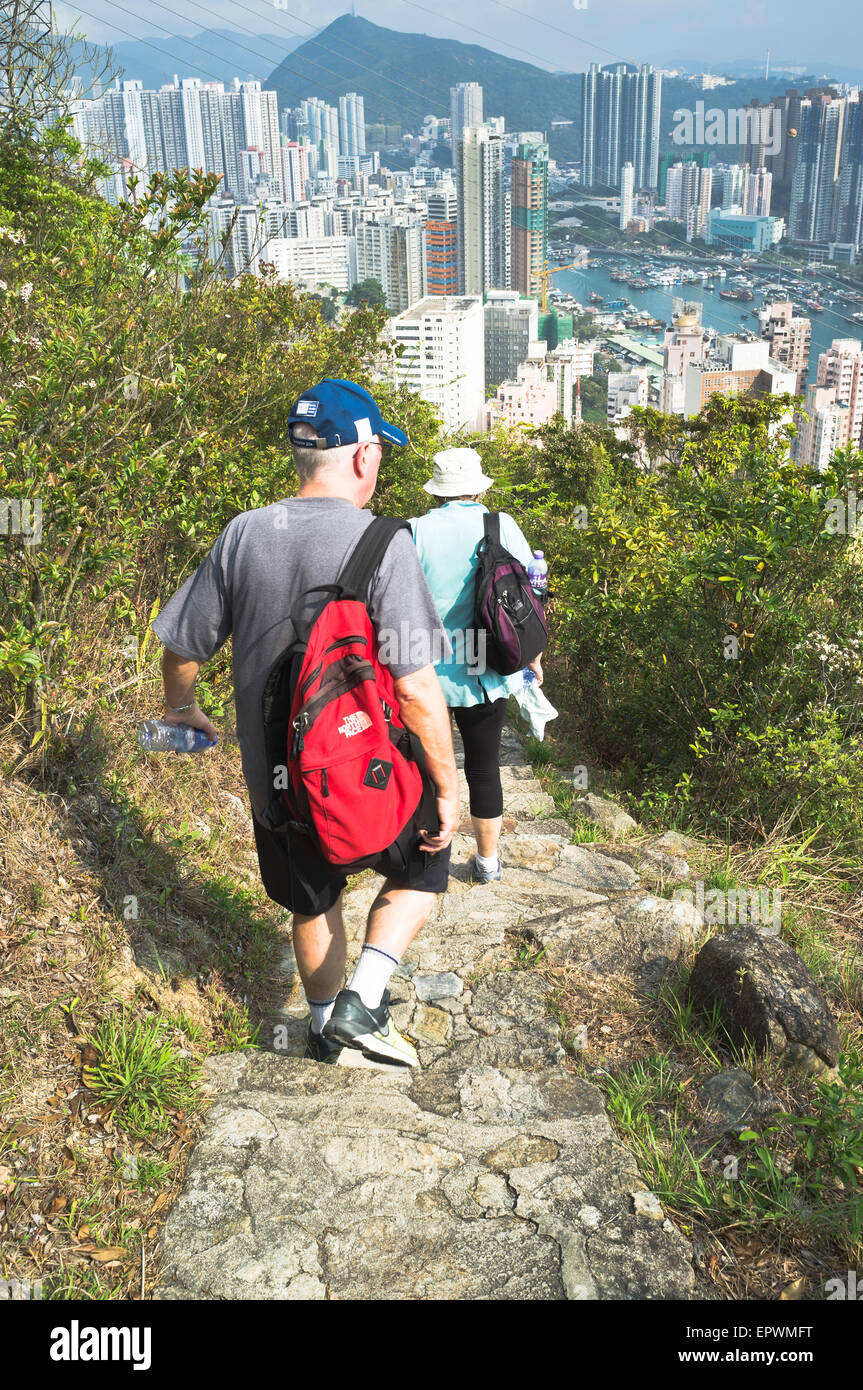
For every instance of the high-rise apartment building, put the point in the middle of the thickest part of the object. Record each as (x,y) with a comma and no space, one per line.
(620,124)
(814,186)
(322,121)
(352,124)
(443,357)
(688,192)
(188,124)
(465,101)
(849,211)
(789,336)
(698,212)
(733,183)
(529,202)
(565,365)
(758,193)
(824,430)
(510,326)
(390,249)
(441,233)
(841,368)
(295,171)
(627,195)
(483,211)
(314,261)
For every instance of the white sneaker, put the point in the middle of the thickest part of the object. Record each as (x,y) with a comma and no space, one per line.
(480,875)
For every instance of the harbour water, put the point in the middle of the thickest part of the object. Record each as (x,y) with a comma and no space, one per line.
(726,316)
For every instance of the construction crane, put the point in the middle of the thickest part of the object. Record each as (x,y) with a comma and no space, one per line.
(544,276)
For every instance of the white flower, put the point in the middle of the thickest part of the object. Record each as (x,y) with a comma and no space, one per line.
(25,291)
(3,285)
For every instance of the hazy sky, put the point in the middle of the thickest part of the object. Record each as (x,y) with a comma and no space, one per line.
(565,34)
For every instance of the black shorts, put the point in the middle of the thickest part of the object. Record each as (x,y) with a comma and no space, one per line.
(295,876)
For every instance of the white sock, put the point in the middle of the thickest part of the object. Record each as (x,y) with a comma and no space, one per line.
(321,1010)
(487,864)
(373,970)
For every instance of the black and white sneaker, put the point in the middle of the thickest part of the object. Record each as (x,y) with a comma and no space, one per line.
(320,1049)
(372,1031)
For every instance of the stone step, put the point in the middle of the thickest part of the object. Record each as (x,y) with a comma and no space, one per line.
(490,1172)
(461,1182)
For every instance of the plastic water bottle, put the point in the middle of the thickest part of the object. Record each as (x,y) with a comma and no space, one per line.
(537,573)
(529,676)
(158,736)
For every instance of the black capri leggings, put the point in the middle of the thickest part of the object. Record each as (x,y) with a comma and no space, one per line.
(480,727)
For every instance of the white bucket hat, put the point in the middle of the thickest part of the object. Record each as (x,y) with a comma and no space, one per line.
(457,473)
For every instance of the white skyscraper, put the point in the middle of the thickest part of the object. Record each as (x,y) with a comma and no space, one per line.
(391,250)
(733,180)
(313,261)
(443,357)
(352,124)
(323,123)
(627,195)
(465,108)
(483,211)
(758,194)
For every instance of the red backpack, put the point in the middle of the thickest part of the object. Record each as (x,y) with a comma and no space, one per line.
(346,771)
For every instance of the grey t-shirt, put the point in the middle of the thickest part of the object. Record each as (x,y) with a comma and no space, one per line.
(258,568)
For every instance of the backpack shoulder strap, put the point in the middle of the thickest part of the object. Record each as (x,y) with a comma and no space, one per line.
(359,569)
(491,526)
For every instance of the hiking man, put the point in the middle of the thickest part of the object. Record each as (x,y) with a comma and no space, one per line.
(259,567)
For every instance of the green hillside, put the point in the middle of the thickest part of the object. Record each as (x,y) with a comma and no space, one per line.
(403,77)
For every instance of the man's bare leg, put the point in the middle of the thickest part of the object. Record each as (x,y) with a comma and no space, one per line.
(360,1018)
(395,917)
(321,951)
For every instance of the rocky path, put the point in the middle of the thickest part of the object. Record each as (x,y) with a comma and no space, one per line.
(490,1173)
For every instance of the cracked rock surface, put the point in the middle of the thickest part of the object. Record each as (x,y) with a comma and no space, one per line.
(491,1172)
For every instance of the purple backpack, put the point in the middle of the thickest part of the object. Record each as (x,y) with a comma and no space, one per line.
(505,607)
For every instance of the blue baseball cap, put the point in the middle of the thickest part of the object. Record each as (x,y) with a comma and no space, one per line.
(340,412)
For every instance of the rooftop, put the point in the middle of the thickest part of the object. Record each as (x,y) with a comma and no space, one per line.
(440,304)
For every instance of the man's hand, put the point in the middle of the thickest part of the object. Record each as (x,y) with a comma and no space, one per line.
(448,812)
(195,718)
(179,675)
(536,667)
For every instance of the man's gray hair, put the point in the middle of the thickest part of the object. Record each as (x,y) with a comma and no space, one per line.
(310,462)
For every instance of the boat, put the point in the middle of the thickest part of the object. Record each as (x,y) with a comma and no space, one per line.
(594,297)
(814,306)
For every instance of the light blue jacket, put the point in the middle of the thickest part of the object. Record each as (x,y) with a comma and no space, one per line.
(446,540)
